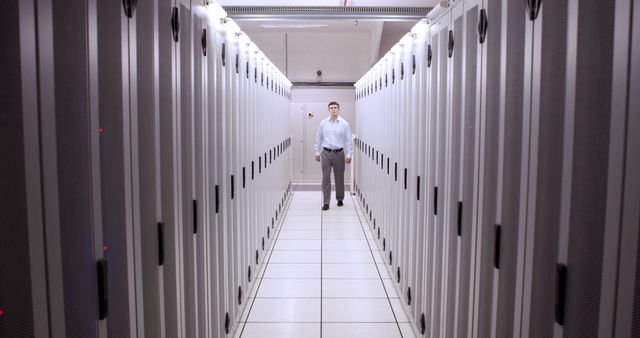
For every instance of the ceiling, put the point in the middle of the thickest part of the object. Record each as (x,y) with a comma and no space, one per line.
(268,32)
(375,3)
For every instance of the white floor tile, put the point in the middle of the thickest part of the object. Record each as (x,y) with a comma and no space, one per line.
(347,257)
(301,226)
(289,244)
(360,330)
(389,287)
(345,245)
(292,256)
(398,310)
(303,212)
(407,330)
(384,273)
(285,310)
(301,219)
(352,288)
(341,226)
(335,210)
(343,234)
(299,234)
(340,218)
(289,288)
(292,271)
(377,257)
(350,271)
(357,310)
(281,330)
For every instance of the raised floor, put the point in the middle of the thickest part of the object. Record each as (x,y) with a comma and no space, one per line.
(324,278)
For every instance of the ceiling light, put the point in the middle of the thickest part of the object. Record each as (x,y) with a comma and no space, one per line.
(298,26)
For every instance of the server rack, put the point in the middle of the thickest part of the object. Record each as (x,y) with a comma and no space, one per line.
(115,122)
(523,116)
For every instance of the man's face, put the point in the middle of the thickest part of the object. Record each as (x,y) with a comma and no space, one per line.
(334,110)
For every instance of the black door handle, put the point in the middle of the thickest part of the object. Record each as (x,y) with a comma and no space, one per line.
(129,7)
(203,40)
(103,300)
(483,24)
(533,7)
(175,24)
(451,43)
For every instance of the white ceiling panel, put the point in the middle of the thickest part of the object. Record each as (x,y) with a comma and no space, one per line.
(374,3)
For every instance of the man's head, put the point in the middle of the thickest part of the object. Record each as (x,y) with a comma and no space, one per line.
(334,109)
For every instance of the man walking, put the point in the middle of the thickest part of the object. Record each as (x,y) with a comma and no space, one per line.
(334,148)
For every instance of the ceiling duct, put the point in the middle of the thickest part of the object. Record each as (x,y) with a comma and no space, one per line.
(326,12)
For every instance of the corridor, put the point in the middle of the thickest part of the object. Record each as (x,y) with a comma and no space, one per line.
(324,277)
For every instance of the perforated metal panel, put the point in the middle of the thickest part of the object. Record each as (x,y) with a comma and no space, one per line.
(552,93)
(149,158)
(590,166)
(74,171)
(185,125)
(453,196)
(199,182)
(512,166)
(489,166)
(468,164)
(15,275)
(635,328)
(168,158)
(113,163)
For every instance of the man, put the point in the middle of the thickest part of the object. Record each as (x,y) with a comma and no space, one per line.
(334,147)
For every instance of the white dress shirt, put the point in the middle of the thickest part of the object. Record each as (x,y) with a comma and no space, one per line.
(334,135)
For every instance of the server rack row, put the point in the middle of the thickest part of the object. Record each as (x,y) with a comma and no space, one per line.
(494,144)
(148,156)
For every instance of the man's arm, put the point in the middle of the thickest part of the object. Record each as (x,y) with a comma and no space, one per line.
(318,145)
(348,145)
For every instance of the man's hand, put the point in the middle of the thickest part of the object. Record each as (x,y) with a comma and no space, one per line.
(317,158)
(348,160)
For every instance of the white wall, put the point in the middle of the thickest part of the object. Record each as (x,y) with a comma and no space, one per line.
(303,129)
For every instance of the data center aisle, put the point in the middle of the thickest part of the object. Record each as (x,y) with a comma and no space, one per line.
(322,279)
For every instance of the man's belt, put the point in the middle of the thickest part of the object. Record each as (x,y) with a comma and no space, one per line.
(332,150)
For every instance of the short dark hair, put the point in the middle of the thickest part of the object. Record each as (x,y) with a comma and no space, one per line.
(333,103)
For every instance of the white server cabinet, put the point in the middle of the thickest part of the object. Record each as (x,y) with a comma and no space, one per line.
(525,140)
(125,123)
(216,238)
(200,228)
(171,163)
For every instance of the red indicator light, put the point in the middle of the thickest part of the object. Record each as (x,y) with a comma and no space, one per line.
(105,248)
(101,130)
(1,313)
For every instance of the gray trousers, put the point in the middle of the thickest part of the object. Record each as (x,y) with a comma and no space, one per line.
(335,160)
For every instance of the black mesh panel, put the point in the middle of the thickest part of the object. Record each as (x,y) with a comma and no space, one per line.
(590,166)
(512,161)
(554,48)
(15,275)
(74,168)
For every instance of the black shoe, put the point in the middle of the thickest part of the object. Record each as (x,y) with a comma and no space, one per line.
(340,203)
(325,207)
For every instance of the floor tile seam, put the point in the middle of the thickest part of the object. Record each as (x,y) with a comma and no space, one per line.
(332,298)
(314,322)
(321,271)
(314,278)
(377,268)
(327,298)
(266,265)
